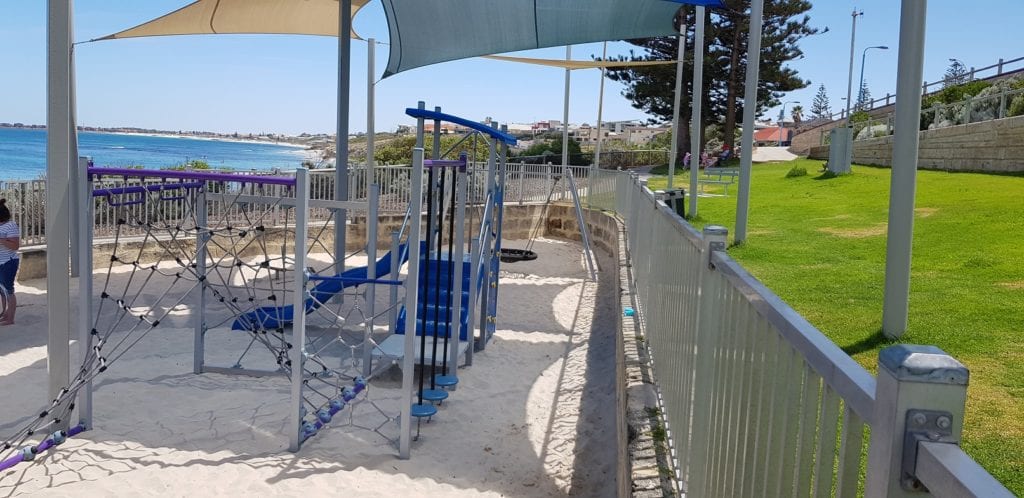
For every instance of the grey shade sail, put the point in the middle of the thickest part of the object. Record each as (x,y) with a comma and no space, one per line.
(428,32)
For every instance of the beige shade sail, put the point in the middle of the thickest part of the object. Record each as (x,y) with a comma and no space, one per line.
(208,17)
(564,64)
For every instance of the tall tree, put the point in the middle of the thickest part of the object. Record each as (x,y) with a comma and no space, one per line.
(821,108)
(651,88)
(956,74)
(798,114)
(863,97)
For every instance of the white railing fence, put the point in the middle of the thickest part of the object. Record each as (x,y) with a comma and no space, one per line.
(525,183)
(757,402)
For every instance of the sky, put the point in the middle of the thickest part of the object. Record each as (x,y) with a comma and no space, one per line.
(287,84)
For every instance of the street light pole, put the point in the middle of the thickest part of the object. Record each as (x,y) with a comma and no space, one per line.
(853,47)
(782,117)
(863,59)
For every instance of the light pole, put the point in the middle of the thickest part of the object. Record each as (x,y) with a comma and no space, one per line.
(853,45)
(863,59)
(782,117)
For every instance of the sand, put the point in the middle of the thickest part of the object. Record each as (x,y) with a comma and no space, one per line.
(533,416)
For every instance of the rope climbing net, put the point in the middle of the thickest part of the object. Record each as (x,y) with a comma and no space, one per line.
(229,245)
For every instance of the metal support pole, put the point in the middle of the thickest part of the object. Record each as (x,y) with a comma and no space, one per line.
(84,250)
(297,353)
(393,290)
(76,199)
(921,390)
(675,106)
(411,305)
(459,243)
(202,236)
(474,277)
(749,111)
(371,274)
(697,99)
(341,139)
(904,168)
(600,111)
(371,50)
(565,109)
(58,208)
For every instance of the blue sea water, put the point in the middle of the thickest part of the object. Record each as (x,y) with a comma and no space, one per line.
(23,152)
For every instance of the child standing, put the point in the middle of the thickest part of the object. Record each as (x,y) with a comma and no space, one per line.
(10,242)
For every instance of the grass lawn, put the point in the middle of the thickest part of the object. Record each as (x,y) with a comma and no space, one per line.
(820,245)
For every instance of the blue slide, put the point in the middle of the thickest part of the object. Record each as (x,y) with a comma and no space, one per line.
(276,317)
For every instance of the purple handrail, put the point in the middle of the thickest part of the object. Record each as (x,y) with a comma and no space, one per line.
(194,175)
(138,189)
(35,450)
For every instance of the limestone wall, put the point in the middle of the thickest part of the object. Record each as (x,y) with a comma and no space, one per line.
(994,146)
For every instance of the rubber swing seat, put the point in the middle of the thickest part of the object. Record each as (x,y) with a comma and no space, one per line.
(516,255)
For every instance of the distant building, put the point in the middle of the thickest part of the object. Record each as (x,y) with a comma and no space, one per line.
(770,136)
(631,132)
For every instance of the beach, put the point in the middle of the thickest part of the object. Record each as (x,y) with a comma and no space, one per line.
(533,416)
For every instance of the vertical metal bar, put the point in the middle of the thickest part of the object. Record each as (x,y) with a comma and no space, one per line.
(393,290)
(371,166)
(411,303)
(474,276)
(58,209)
(341,138)
(681,53)
(371,274)
(808,430)
(904,167)
(790,426)
(565,111)
(202,236)
(298,346)
(749,97)
(850,445)
(827,430)
(84,250)
(600,110)
(460,251)
(697,98)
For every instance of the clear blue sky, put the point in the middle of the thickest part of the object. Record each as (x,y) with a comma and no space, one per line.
(287,83)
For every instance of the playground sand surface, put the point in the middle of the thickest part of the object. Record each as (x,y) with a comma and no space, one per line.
(533,416)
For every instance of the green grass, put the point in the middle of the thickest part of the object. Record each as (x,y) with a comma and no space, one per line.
(819,243)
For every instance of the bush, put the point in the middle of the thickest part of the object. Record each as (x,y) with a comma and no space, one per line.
(796,171)
(1016,106)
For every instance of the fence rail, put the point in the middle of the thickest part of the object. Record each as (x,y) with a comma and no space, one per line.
(758,402)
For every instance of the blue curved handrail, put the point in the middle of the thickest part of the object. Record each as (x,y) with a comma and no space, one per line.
(473,125)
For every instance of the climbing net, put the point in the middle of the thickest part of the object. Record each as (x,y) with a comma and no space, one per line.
(177,240)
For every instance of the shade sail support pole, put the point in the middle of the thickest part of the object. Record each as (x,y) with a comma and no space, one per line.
(749,111)
(341,139)
(906,140)
(697,97)
(675,105)
(565,109)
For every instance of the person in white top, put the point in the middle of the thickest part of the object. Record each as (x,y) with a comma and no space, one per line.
(10,242)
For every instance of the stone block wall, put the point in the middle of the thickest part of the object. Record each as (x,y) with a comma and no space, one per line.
(995,146)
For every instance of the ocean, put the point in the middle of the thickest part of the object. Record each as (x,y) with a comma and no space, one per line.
(23,152)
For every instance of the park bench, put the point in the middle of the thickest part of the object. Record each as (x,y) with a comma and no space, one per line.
(718,176)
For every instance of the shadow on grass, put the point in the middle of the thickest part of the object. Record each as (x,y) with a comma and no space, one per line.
(868,343)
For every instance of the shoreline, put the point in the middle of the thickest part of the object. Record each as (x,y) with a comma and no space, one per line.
(203,137)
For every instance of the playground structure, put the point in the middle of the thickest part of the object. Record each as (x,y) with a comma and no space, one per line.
(237,249)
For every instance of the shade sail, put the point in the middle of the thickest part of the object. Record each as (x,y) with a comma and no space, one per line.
(285,17)
(427,32)
(564,64)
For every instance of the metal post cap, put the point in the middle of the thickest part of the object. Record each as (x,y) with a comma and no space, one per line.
(926,364)
(716,230)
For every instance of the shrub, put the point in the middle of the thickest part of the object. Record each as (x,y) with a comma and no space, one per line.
(796,171)
(1016,106)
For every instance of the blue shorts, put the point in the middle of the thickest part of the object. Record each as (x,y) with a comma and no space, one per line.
(8,271)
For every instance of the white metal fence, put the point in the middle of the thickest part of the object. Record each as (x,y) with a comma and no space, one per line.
(758,402)
(525,183)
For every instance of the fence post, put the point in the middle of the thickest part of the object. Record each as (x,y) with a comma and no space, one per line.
(967,110)
(888,96)
(920,395)
(1000,66)
(706,331)
(1002,98)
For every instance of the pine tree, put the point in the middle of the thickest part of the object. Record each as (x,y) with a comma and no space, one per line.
(651,88)
(863,97)
(956,74)
(821,108)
